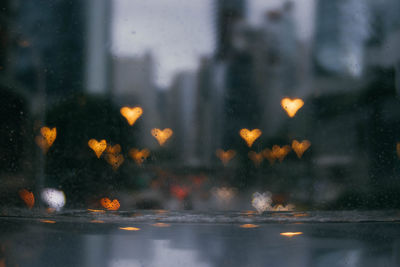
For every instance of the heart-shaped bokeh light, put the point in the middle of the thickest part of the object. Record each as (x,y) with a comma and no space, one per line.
(225,156)
(257,158)
(250,136)
(97,146)
(110,205)
(300,147)
(291,106)
(280,152)
(114,160)
(139,155)
(262,201)
(162,135)
(27,197)
(131,114)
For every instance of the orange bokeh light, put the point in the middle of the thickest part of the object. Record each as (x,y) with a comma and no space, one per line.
(280,152)
(139,155)
(114,160)
(300,147)
(27,197)
(225,156)
(49,134)
(115,150)
(110,205)
(269,155)
(257,158)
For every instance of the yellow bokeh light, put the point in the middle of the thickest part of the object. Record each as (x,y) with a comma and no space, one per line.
(291,106)
(250,136)
(131,114)
(98,147)
(162,135)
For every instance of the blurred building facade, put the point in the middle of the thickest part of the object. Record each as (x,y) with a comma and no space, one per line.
(134,85)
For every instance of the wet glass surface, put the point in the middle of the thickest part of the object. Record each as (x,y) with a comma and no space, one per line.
(146,238)
(200,133)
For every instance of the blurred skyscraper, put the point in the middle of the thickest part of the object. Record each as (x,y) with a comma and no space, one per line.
(134,85)
(229,12)
(181,107)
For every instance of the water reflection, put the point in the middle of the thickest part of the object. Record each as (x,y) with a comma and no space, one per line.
(26,243)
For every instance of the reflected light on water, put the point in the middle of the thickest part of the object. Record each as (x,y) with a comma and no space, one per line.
(130,228)
(47,221)
(249,225)
(99,211)
(160,224)
(291,234)
(97,221)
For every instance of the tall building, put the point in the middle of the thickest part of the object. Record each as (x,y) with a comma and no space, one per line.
(134,85)
(229,12)
(209,110)
(98,67)
(341,31)
(182,119)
